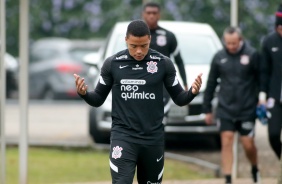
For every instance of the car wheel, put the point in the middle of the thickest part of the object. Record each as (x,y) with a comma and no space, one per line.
(97,135)
(49,94)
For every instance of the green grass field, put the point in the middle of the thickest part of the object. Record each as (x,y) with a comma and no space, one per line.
(55,165)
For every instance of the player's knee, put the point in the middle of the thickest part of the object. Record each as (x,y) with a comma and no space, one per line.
(227,140)
(250,147)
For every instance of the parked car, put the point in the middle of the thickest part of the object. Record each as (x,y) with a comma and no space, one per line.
(12,67)
(198,43)
(52,64)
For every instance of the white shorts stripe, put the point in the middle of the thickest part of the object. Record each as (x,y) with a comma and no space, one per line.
(161,173)
(113,167)
(252,133)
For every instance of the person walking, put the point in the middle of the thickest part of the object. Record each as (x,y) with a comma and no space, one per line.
(137,133)
(235,69)
(163,41)
(271,52)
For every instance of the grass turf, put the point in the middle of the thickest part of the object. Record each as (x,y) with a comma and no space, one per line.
(55,165)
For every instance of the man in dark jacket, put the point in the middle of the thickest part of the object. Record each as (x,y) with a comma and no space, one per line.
(272,75)
(236,70)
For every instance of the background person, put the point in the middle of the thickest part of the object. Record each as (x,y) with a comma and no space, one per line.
(237,68)
(137,133)
(163,41)
(272,74)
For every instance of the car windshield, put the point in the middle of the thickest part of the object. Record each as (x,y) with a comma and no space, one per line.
(78,53)
(195,49)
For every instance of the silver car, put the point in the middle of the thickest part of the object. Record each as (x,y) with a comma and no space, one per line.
(198,43)
(53,61)
(12,68)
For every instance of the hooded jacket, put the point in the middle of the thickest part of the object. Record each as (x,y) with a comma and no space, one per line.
(237,76)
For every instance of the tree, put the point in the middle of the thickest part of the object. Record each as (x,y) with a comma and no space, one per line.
(94,18)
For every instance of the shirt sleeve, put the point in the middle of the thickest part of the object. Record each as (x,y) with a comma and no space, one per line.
(98,96)
(255,60)
(265,66)
(211,85)
(174,49)
(177,93)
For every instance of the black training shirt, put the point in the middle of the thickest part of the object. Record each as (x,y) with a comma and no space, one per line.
(137,95)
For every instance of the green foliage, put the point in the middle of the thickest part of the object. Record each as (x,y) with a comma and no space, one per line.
(50,165)
(94,18)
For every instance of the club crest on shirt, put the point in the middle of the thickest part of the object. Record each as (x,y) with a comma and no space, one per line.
(152,67)
(117,152)
(161,40)
(244,60)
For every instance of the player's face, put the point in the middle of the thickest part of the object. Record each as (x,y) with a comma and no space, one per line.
(151,16)
(138,46)
(279,30)
(232,42)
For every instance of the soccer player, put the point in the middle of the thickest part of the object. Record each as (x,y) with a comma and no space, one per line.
(136,77)
(272,75)
(163,41)
(237,68)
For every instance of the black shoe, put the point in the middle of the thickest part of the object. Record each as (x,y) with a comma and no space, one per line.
(228,179)
(256,177)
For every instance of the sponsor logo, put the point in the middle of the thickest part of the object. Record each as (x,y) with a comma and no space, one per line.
(117,152)
(158,159)
(122,57)
(121,67)
(130,90)
(133,81)
(137,67)
(161,40)
(155,57)
(152,67)
(274,49)
(244,60)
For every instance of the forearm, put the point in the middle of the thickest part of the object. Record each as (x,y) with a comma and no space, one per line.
(97,97)
(180,96)
(265,68)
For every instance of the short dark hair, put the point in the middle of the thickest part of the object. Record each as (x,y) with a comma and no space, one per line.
(152,4)
(233,29)
(137,28)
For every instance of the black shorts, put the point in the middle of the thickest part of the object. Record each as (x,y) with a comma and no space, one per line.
(245,128)
(125,157)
